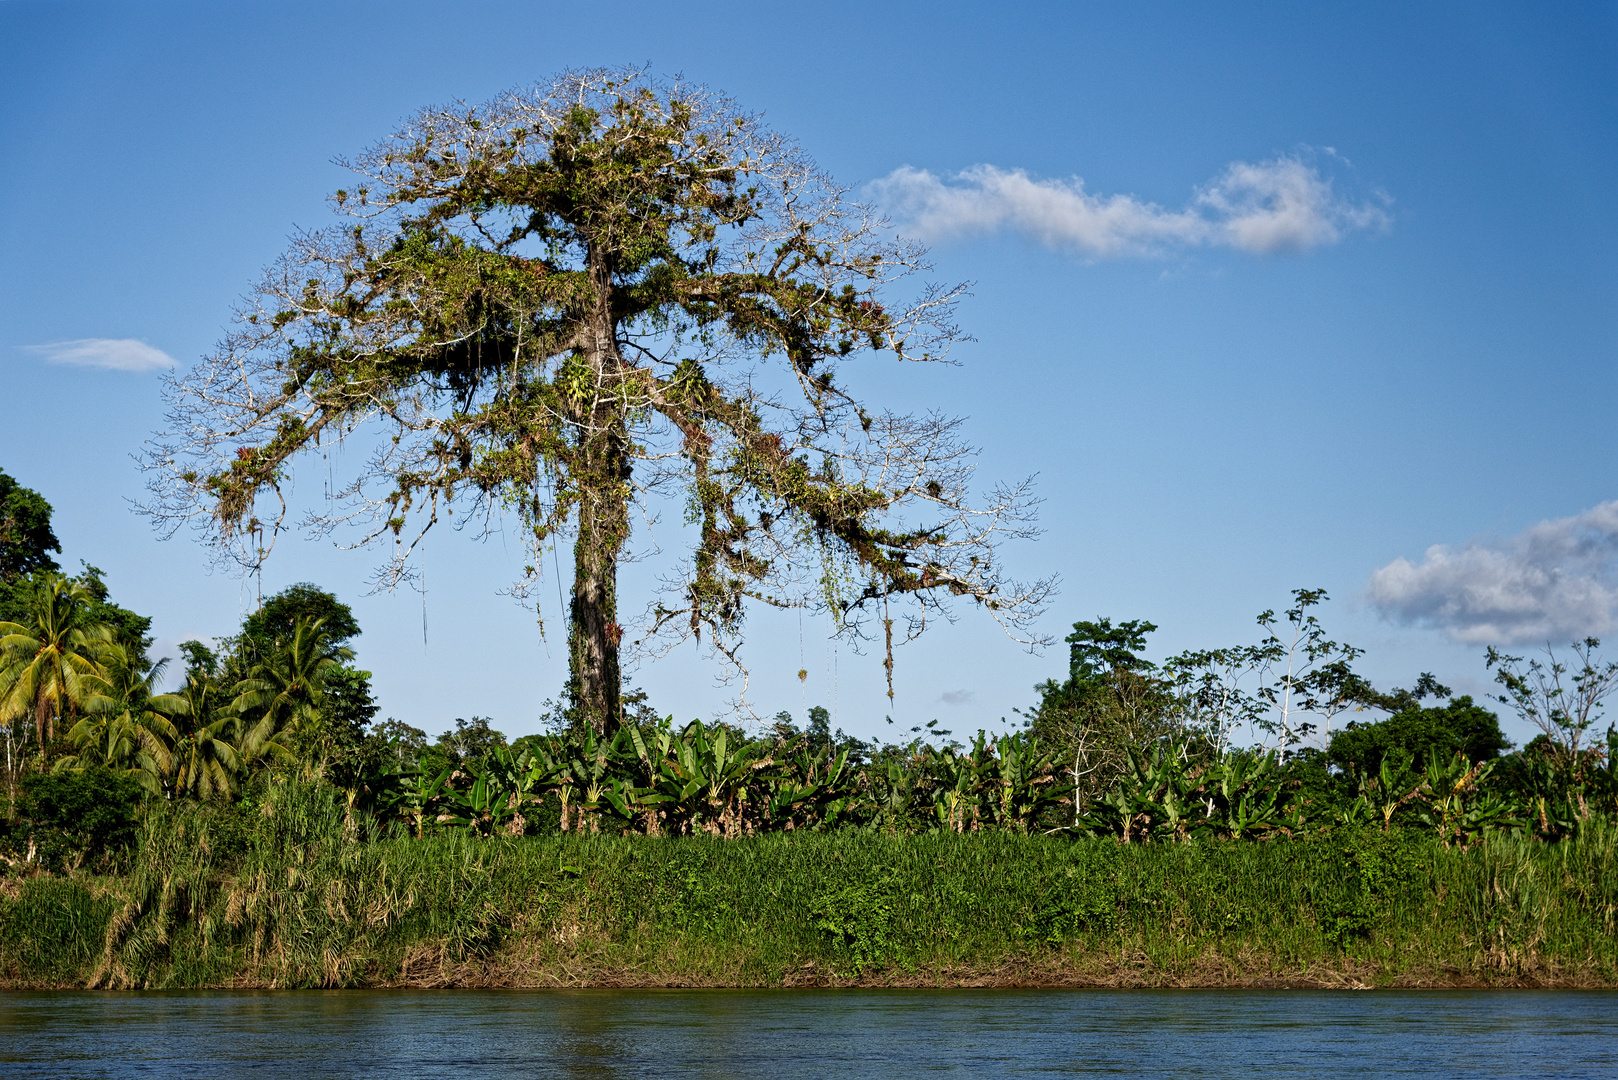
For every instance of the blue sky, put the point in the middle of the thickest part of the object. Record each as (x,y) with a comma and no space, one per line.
(1213,422)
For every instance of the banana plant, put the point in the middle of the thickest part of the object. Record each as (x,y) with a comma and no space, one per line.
(810,790)
(1393,787)
(592,777)
(892,789)
(1243,796)
(705,779)
(1022,777)
(956,783)
(1159,794)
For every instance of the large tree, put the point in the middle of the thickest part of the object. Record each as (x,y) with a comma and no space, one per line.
(568,300)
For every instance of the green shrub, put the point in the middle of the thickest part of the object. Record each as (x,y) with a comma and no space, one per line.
(81,816)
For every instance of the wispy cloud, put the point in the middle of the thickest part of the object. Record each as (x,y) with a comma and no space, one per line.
(957,697)
(1284,204)
(113,354)
(1554,581)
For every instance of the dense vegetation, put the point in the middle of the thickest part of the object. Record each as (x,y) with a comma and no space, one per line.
(297,892)
(259,825)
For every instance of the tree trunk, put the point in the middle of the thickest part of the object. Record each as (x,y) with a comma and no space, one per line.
(600,475)
(594,635)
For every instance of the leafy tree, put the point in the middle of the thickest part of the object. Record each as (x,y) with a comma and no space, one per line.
(1400,700)
(1306,673)
(200,660)
(407,741)
(128,629)
(819,738)
(345,713)
(470,741)
(569,299)
(26,543)
(1108,682)
(1113,702)
(1419,735)
(348,708)
(277,616)
(1294,672)
(93,810)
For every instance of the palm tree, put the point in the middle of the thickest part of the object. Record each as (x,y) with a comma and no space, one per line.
(279,701)
(205,761)
(50,661)
(126,726)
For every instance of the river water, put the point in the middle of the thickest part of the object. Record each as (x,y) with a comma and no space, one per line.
(786,1035)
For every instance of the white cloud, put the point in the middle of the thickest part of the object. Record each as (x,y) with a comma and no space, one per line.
(1272,206)
(1555,581)
(114,354)
(957,697)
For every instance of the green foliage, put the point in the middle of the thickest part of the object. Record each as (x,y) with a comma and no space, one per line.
(283,702)
(1113,702)
(76,817)
(53,930)
(307,896)
(126,725)
(858,918)
(1377,869)
(276,619)
(26,541)
(1419,735)
(49,662)
(715,780)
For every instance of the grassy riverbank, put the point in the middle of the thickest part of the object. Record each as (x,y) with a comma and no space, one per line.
(299,899)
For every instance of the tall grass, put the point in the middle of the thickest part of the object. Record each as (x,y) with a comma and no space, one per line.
(305,897)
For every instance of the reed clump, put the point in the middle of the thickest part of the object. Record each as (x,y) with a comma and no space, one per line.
(301,893)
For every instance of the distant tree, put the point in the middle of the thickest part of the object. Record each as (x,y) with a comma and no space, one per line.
(1112,702)
(1419,735)
(128,628)
(199,659)
(1562,697)
(397,739)
(276,617)
(349,708)
(569,299)
(1305,673)
(1399,700)
(470,740)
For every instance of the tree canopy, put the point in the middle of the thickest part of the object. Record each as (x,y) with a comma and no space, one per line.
(26,539)
(568,302)
(26,544)
(1419,735)
(279,615)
